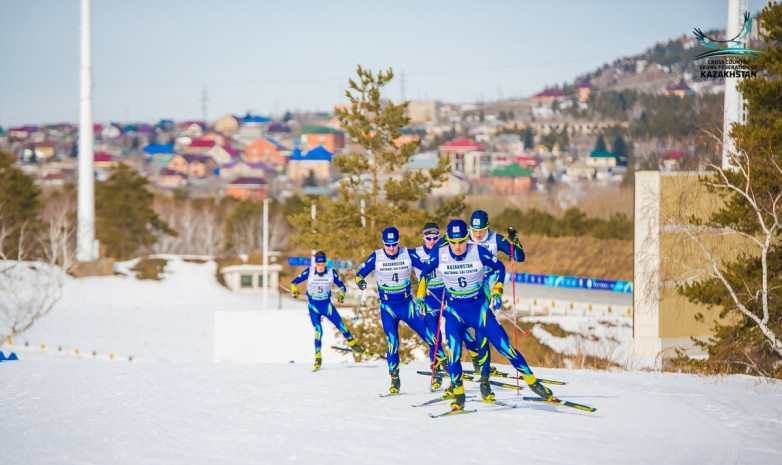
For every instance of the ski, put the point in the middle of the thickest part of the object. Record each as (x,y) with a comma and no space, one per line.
(500,374)
(392,394)
(500,403)
(470,378)
(366,352)
(450,413)
(436,400)
(563,403)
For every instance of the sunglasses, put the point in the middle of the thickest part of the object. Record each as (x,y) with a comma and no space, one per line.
(431,238)
(395,244)
(456,241)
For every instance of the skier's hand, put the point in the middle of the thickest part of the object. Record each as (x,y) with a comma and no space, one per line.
(340,297)
(361,283)
(295,291)
(496,301)
(497,290)
(512,236)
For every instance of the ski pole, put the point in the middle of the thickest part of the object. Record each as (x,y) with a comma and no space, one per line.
(358,309)
(437,341)
(285,288)
(524,332)
(513,284)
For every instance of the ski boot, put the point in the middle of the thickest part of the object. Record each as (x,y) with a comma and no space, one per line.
(395,383)
(539,389)
(318,361)
(356,347)
(448,392)
(458,398)
(437,379)
(486,393)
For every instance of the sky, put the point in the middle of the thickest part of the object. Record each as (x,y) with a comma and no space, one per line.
(156,59)
(172,405)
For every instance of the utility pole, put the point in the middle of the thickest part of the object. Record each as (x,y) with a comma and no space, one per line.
(86,249)
(734,110)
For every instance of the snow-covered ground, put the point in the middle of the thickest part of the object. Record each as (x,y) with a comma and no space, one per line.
(172,404)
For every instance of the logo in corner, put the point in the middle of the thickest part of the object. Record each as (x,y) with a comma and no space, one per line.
(733,47)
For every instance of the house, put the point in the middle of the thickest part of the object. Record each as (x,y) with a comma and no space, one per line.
(193,166)
(228,124)
(468,157)
(110,131)
(602,159)
(266,150)
(222,154)
(409,135)
(169,179)
(198,146)
(247,188)
(317,160)
(579,170)
(153,149)
(240,169)
(585,89)
(513,180)
(192,129)
(56,178)
(552,94)
(104,160)
(329,138)
(421,111)
(248,279)
(671,159)
(454,184)
(45,150)
(680,90)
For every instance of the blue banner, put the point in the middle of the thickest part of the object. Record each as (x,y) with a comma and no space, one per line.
(573,282)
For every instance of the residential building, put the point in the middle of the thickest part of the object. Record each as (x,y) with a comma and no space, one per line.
(468,157)
(247,188)
(421,111)
(240,169)
(329,138)
(513,180)
(552,94)
(228,124)
(317,160)
(266,150)
(223,154)
(168,179)
(193,166)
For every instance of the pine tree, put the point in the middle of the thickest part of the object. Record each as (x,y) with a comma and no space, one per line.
(125,222)
(374,193)
(750,287)
(19,208)
(601,143)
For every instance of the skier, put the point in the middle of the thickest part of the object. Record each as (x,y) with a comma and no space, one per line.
(480,234)
(462,267)
(429,305)
(392,266)
(320,279)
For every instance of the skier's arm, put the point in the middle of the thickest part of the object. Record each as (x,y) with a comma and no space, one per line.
(301,277)
(426,267)
(503,245)
(368,267)
(338,282)
(490,260)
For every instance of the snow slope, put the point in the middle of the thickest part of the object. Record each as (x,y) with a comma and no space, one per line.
(172,405)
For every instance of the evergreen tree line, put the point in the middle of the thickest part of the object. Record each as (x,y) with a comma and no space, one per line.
(573,223)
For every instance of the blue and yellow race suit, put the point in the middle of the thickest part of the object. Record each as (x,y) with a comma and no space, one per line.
(478,347)
(392,274)
(319,295)
(468,306)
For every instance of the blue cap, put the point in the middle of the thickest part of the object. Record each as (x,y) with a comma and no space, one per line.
(479,220)
(457,231)
(320,257)
(390,236)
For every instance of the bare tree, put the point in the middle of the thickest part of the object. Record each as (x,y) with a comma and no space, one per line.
(29,289)
(712,246)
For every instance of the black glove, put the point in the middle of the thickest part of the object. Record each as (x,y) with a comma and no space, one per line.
(512,236)
(361,284)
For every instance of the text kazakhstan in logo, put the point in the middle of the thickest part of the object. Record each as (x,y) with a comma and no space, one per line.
(732,47)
